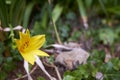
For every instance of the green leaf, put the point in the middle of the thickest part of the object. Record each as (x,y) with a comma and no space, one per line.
(116,63)
(9,64)
(68,77)
(2,75)
(115,10)
(40,78)
(27,14)
(11,12)
(75,36)
(101,2)
(19,75)
(64,31)
(44,20)
(71,16)
(98,55)
(3,13)
(56,12)
(94,72)
(107,39)
(17,9)
(37,28)
(81,7)
(2,48)
(88,3)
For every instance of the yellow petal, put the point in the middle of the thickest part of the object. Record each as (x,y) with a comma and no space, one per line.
(27,33)
(29,57)
(40,53)
(36,42)
(17,42)
(24,36)
(21,35)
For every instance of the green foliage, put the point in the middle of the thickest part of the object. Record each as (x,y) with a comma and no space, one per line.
(37,15)
(98,56)
(40,78)
(27,14)
(3,12)
(7,66)
(56,12)
(19,75)
(111,69)
(115,10)
(51,59)
(117,34)
(3,75)
(75,36)
(11,13)
(88,71)
(2,48)
(68,77)
(82,9)
(15,12)
(107,36)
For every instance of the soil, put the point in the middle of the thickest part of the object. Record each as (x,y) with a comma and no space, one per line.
(37,72)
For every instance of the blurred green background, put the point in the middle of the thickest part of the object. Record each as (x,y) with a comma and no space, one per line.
(64,21)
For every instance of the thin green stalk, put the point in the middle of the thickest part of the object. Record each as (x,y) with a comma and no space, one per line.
(55,27)
(56,32)
(83,13)
(11,33)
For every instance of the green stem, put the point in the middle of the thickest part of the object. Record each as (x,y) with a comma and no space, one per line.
(54,25)
(56,32)
(11,33)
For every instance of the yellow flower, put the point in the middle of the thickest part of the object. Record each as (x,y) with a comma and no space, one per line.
(29,46)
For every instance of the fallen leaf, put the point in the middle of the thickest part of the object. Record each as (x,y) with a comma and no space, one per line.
(71,59)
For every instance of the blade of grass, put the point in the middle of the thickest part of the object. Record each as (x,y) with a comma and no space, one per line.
(27,14)
(103,7)
(88,3)
(3,13)
(17,12)
(83,14)
(56,12)
(53,22)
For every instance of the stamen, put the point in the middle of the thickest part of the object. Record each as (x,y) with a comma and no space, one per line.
(24,46)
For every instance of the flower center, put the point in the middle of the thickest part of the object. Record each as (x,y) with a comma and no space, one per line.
(24,46)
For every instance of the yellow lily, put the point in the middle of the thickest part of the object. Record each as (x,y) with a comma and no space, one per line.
(29,46)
